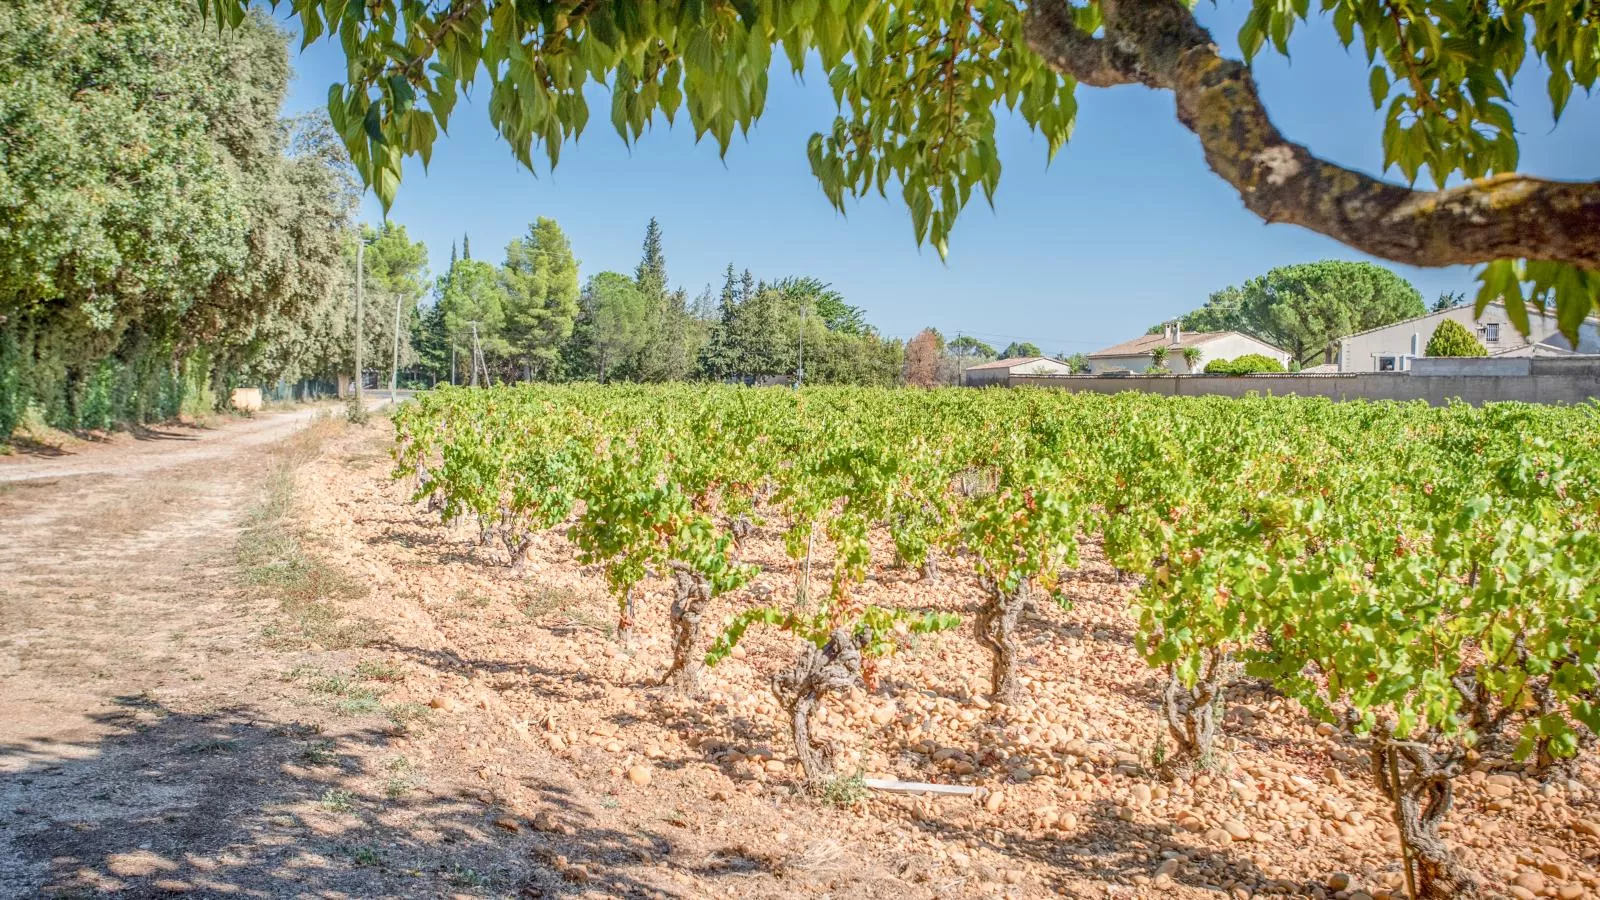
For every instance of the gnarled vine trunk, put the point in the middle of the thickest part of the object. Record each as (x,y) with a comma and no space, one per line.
(1419,788)
(689,604)
(626,618)
(997,630)
(835,667)
(1193,712)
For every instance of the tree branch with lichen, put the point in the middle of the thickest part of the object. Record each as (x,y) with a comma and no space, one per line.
(1159,43)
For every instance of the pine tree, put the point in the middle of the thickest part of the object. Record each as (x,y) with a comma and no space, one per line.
(466,247)
(452,255)
(730,291)
(747,286)
(651,275)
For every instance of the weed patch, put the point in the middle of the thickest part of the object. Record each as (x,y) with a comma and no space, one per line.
(275,558)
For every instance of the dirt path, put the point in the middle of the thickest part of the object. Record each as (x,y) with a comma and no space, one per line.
(151,742)
(161,447)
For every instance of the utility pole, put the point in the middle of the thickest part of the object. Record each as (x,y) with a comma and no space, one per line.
(474,354)
(361,277)
(452,360)
(800,370)
(394,359)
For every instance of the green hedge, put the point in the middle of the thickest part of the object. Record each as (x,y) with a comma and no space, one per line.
(1248,364)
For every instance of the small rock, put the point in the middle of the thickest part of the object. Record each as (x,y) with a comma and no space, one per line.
(1533,882)
(1236,830)
(549,824)
(1141,794)
(1586,827)
(443,703)
(639,775)
(1338,881)
(995,802)
(507,823)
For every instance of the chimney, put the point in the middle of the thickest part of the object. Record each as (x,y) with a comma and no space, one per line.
(1177,332)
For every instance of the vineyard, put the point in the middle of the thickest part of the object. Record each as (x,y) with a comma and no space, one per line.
(1417,578)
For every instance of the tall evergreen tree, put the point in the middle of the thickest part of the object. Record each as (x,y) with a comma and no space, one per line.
(541,286)
(651,274)
(466,246)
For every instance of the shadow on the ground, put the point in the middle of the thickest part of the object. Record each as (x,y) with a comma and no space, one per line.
(1105,848)
(230,803)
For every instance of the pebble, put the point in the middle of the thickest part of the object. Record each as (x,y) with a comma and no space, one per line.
(639,775)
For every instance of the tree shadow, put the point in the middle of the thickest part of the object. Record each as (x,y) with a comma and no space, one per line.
(1104,848)
(231,802)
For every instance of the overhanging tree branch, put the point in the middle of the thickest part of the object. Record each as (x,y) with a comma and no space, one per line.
(1158,43)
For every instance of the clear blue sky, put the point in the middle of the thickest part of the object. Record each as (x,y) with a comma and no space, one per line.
(1125,228)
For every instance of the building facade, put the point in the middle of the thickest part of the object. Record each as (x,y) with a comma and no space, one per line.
(1392,348)
(1135,356)
(1001,370)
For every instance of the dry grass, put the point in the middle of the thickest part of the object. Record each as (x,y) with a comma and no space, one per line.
(276,557)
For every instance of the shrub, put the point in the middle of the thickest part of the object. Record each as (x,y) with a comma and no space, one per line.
(1248,364)
(1452,338)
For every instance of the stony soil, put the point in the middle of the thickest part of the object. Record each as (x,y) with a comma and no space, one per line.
(562,735)
(446,725)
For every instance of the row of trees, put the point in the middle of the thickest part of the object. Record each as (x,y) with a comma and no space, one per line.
(166,232)
(528,319)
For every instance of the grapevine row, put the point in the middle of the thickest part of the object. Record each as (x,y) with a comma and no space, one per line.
(1425,577)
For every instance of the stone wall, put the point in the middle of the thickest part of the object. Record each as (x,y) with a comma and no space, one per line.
(1556,381)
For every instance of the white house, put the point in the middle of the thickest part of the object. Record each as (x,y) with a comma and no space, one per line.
(1393,347)
(1000,370)
(1134,355)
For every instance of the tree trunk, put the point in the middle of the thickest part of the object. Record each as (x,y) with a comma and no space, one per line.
(930,569)
(835,667)
(1419,788)
(997,630)
(688,608)
(1192,713)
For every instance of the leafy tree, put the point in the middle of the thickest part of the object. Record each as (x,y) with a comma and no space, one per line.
(922,358)
(1079,362)
(1305,308)
(474,300)
(917,87)
(541,287)
(165,232)
(618,317)
(431,339)
(1448,300)
(968,347)
(826,304)
(396,274)
(1017,349)
(1452,338)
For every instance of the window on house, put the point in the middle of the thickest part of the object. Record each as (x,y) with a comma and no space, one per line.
(1491,332)
(1387,364)
(1414,338)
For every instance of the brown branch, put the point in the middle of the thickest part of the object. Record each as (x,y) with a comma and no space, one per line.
(1423,97)
(1158,43)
